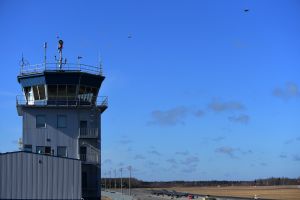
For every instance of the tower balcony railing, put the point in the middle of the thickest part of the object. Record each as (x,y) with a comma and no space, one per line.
(78,67)
(21,100)
(90,158)
(88,132)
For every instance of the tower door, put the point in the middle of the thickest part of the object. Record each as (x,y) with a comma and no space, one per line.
(83,127)
(82,153)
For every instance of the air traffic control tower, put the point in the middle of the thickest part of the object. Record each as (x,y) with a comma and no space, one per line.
(61,112)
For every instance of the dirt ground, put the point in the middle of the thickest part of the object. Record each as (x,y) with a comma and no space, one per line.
(105,198)
(269,192)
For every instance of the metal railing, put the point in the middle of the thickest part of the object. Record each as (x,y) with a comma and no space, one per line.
(39,68)
(88,132)
(62,101)
(89,158)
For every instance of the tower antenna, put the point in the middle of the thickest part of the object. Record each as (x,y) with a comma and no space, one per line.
(45,54)
(60,47)
(100,64)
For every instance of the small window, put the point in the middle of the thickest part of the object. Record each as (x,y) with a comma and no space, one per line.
(27,147)
(62,151)
(43,150)
(61,121)
(40,149)
(40,121)
(48,150)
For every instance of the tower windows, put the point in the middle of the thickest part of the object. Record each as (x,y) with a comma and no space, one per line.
(39,92)
(52,92)
(61,121)
(71,91)
(62,91)
(42,93)
(40,121)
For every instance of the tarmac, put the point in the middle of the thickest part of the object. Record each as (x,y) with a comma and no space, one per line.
(144,194)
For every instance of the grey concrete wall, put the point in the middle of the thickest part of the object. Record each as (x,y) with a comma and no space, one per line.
(26,175)
(58,136)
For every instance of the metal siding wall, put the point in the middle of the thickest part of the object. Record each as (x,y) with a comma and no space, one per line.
(19,175)
(59,136)
(23,177)
(49,178)
(55,179)
(8,180)
(1,175)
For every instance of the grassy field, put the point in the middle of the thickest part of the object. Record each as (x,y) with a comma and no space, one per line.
(269,192)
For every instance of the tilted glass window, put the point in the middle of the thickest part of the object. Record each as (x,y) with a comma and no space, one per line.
(42,93)
(35,93)
(61,121)
(40,121)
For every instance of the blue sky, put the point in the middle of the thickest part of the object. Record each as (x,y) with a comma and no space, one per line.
(202,90)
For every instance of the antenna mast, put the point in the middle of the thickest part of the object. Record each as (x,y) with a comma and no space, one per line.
(60,47)
(45,54)
(100,64)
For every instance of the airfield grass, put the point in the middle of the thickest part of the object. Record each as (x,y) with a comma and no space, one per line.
(268,192)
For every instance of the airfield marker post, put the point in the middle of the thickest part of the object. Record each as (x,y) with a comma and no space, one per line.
(129,168)
(121,182)
(115,179)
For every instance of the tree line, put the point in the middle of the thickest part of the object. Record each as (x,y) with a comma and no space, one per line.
(135,183)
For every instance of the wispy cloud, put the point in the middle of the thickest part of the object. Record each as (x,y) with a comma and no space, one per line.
(218,106)
(283,156)
(152,164)
(169,117)
(172,161)
(243,119)
(226,150)
(233,152)
(173,116)
(198,113)
(218,139)
(125,140)
(289,141)
(290,90)
(263,164)
(182,153)
(154,152)
(296,157)
(190,160)
(139,157)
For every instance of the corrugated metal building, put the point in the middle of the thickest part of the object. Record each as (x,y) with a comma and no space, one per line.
(26,175)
